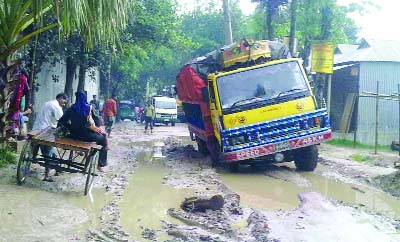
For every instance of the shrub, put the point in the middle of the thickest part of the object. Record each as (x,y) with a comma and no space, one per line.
(7,157)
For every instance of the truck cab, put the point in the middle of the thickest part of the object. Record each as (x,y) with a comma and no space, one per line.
(267,109)
(165,110)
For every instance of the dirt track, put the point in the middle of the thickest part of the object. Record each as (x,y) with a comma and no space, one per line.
(57,211)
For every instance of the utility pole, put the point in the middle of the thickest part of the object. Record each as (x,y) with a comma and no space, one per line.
(227,21)
(292,34)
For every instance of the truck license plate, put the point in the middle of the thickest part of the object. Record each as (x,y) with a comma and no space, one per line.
(167,119)
(282,146)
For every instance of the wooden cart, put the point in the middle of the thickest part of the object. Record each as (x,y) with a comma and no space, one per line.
(72,156)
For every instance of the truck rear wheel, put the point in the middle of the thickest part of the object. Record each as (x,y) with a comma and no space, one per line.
(173,124)
(306,158)
(202,146)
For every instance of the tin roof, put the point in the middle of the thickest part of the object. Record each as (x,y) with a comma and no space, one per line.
(368,50)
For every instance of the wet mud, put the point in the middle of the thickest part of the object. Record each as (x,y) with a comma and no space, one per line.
(138,198)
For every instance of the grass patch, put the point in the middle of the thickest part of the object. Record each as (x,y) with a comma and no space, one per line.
(360,157)
(349,143)
(7,157)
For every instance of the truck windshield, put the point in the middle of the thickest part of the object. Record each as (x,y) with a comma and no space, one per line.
(165,105)
(268,82)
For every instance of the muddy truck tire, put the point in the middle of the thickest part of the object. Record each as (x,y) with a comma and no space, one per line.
(306,158)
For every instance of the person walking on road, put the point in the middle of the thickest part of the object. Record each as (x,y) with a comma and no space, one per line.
(149,116)
(48,116)
(95,102)
(110,112)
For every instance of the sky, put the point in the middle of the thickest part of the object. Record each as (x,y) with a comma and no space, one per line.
(379,23)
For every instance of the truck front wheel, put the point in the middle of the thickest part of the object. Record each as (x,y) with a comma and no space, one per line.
(214,150)
(306,158)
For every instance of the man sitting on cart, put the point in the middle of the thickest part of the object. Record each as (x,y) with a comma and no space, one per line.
(48,116)
(81,124)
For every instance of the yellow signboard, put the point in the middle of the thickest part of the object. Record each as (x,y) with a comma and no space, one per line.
(322,58)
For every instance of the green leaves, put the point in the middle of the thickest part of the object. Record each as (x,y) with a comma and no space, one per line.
(100,22)
(16,16)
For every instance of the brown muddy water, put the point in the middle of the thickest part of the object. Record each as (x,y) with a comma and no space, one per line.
(260,191)
(146,200)
(28,214)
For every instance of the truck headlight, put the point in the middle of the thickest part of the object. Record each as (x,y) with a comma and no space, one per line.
(236,140)
(158,115)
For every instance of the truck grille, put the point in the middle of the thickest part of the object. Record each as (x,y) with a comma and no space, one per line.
(277,130)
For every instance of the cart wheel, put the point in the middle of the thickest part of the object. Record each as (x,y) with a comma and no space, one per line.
(91,172)
(24,163)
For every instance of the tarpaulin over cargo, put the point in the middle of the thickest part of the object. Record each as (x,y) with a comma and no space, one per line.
(242,53)
(189,85)
(245,50)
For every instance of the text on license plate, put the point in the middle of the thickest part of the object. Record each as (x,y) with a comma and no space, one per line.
(282,146)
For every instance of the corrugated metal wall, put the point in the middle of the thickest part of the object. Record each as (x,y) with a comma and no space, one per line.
(388,74)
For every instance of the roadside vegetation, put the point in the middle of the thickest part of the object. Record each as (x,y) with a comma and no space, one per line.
(357,145)
(7,156)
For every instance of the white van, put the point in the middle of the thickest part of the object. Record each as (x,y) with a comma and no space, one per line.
(165,110)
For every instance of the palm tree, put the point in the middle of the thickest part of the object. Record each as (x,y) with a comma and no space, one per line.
(98,21)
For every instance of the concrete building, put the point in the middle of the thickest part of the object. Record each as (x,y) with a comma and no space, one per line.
(51,81)
(357,70)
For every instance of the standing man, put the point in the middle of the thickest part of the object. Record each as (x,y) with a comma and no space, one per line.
(109,112)
(149,117)
(48,116)
(95,103)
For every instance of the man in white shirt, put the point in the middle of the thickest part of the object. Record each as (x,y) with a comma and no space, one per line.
(48,116)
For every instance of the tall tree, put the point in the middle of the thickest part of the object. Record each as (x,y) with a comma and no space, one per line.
(271,10)
(99,21)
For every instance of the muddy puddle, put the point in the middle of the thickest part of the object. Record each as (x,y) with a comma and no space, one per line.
(258,190)
(32,214)
(92,205)
(146,200)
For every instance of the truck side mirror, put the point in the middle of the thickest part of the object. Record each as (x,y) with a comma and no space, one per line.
(204,94)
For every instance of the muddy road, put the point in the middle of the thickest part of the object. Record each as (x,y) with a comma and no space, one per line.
(138,197)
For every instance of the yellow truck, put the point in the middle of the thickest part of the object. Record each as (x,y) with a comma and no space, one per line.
(248,103)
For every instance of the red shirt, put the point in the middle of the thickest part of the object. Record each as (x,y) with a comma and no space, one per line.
(110,107)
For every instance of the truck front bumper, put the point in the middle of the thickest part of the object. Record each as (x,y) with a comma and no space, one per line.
(272,148)
(165,120)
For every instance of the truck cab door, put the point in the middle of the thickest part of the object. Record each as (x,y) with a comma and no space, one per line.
(214,112)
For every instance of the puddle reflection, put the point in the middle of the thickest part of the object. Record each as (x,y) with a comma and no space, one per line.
(260,191)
